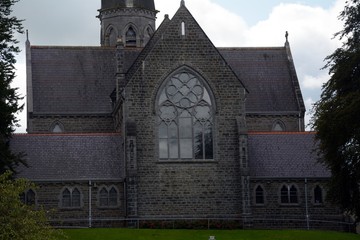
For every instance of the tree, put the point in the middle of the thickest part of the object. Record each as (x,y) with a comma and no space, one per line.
(18,220)
(336,118)
(9,99)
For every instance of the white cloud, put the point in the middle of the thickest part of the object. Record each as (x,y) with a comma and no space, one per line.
(314,82)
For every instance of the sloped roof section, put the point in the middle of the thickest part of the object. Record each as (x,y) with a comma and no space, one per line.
(284,155)
(70,157)
(74,79)
(266,75)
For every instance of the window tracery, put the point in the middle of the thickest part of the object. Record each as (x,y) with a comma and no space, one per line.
(185,114)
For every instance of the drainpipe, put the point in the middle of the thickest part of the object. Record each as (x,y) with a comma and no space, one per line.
(90,207)
(306,206)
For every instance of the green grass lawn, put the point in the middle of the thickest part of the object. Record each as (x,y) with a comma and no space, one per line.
(144,234)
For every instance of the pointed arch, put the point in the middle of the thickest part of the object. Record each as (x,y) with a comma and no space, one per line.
(318,195)
(185,112)
(147,34)
(111,36)
(108,196)
(71,197)
(278,126)
(259,192)
(57,127)
(131,35)
(289,194)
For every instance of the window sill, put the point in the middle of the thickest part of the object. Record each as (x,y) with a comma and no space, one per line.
(189,161)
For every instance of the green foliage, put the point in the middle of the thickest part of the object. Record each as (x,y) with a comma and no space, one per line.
(17,220)
(337,115)
(140,234)
(9,98)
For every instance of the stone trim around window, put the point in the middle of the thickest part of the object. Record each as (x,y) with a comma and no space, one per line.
(259,199)
(105,199)
(318,195)
(185,114)
(71,198)
(29,197)
(289,194)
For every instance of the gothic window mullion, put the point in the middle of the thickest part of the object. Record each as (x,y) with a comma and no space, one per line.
(184,101)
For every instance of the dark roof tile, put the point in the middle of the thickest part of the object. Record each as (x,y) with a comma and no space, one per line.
(70,157)
(284,155)
(266,75)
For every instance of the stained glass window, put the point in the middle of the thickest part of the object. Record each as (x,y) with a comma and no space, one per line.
(185,114)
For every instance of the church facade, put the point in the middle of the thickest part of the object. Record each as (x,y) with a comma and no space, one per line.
(158,127)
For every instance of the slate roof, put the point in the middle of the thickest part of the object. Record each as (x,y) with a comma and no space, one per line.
(266,75)
(74,79)
(146,4)
(284,155)
(70,157)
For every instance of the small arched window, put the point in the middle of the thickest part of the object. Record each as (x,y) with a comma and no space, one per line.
(278,126)
(66,198)
(112,37)
(131,37)
(183,29)
(318,195)
(71,198)
(57,127)
(108,197)
(259,195)
(28,197)
(288,194)
(185,119)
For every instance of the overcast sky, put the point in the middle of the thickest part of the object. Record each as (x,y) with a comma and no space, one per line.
(237,23)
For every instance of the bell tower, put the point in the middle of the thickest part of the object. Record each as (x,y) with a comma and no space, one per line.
(132,21)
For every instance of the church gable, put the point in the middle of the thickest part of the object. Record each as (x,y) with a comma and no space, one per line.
(177,43)
(183,101)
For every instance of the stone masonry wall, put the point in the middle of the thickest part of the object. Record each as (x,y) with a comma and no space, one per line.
(48,196)
(263,123)
(186,188)
(274,214)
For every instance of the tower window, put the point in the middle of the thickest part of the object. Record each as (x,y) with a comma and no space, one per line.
(131,37)
(185,113)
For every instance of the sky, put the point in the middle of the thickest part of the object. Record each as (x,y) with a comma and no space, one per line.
(228,23)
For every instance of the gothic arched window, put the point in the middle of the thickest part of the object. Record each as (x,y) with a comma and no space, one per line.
(28,197)
(71,198)
(289,194)
(259,195)
(318,195)
(131,37)
(108,197)
(185,118)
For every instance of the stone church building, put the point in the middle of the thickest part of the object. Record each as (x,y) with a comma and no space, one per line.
(160,128)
